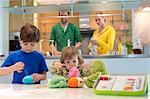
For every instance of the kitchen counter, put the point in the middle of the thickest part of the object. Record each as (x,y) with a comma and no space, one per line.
(100,56)
(106,56)
(15,91)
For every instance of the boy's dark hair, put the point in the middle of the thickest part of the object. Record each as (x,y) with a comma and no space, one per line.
(29,33)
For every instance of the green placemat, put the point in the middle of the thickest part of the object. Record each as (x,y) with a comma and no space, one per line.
(137,92)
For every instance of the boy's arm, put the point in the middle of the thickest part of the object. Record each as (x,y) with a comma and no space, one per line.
(43,76)
(7,70)
(37,77)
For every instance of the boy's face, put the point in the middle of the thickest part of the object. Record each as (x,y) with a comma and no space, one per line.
(27,46)
(71,62)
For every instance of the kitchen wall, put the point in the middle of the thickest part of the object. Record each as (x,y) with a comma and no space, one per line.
(4,29)
(142,27)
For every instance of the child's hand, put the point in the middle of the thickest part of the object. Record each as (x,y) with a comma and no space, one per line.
(36,77)
(18,66)
(86,66)
(57,53)
(74,72)
(58,64)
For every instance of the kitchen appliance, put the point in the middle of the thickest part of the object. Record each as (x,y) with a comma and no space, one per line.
(14,41)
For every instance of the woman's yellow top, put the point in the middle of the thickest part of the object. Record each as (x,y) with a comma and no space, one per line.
(105,40)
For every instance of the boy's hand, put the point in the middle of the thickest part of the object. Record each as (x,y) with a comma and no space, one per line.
(18,66)
(36,77)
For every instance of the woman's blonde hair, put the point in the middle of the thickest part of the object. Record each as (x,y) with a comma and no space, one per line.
(100,13)
(70,52)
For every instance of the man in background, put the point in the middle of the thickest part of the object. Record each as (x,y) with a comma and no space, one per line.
(63,33)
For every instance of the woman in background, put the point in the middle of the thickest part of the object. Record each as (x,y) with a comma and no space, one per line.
(103,37)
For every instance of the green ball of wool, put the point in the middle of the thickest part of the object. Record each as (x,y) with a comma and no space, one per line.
(63,84)
(104,72)
(57,82)
(57,79)
(89,83)
(97,65)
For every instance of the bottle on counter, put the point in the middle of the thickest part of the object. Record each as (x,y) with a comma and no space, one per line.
(137,47)
(68,42)
(124,50)
(94,49)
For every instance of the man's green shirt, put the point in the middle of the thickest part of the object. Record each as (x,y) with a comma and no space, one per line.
(61,37)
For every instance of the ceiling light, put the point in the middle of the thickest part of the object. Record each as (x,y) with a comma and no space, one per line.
(146,9)
(15,6)
(104,2)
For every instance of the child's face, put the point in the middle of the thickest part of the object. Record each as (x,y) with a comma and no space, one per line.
(71,62)
(27,46)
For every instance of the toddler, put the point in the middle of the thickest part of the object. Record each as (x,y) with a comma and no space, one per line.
(70,63)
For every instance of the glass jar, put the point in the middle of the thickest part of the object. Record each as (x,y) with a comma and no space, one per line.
(124,50)
(94,50)
(137,47)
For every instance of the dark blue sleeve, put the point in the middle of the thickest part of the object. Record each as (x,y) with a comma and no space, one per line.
(8,62)
(43,64)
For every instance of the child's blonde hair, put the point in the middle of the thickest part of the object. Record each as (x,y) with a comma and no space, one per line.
(69,52)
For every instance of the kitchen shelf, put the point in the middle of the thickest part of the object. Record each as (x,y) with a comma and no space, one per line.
(77,7)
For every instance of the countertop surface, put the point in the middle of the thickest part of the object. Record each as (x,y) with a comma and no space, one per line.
(100,56)
(106,56)
(16,91)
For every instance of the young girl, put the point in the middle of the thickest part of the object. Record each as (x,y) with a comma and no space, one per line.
(70,63)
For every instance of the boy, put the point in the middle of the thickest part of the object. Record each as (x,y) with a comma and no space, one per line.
(34,62)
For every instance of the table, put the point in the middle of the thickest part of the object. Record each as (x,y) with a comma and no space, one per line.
(41,91)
